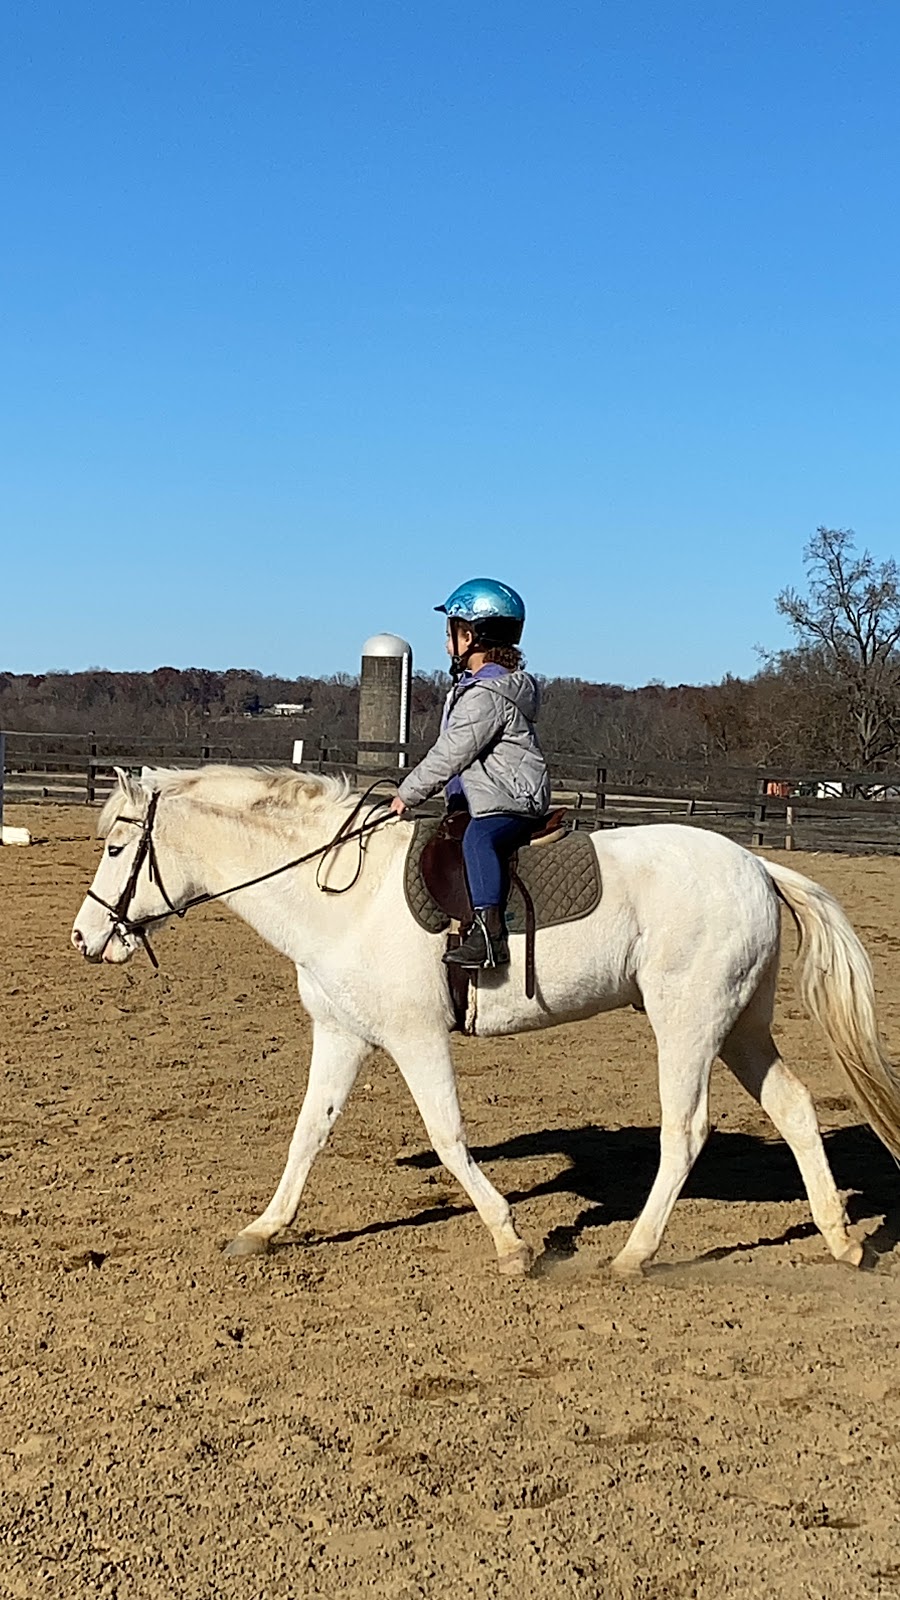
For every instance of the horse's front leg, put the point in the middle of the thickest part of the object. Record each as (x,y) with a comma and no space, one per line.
(336,1059)
(427,1067)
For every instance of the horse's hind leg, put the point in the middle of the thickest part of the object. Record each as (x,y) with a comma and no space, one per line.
(685,1059)
(336,1059)
(752,1055)
(427,1067)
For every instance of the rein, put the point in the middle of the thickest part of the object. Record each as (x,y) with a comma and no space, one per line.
(146,850)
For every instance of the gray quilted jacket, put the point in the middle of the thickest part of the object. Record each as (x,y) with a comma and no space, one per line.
(489,742)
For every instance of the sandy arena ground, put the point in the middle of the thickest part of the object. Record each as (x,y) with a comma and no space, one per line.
(372,1409)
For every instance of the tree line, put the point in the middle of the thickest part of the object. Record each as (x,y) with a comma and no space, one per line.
(831,700)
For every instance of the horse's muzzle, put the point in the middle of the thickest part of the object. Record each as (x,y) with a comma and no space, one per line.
(116,949)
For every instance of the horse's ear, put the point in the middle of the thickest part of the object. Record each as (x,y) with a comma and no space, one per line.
(152,778)
(129,786)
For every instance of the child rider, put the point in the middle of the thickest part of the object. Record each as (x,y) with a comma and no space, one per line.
(487,756)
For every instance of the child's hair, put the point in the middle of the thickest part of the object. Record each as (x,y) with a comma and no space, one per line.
(505,655)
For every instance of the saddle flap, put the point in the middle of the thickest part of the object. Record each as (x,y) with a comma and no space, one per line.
(442,868)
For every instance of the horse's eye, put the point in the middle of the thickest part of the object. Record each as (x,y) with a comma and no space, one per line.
(114,849)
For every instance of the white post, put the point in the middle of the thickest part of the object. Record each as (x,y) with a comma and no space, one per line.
(8,835)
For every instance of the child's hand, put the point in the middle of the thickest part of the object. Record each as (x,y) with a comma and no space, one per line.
(398,806)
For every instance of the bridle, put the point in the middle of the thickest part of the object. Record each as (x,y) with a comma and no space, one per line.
(146,851)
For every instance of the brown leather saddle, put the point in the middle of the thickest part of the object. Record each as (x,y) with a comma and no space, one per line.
(555,878)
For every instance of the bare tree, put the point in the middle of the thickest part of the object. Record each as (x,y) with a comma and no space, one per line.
(851,616)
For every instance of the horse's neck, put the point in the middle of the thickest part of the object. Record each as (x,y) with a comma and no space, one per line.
(224,847)
(224,850)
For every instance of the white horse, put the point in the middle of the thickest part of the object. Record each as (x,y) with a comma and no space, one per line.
(688,926)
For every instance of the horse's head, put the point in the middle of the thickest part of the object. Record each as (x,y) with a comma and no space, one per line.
(126,893)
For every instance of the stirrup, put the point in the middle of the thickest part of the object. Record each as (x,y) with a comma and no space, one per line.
(492,921)
(485,945)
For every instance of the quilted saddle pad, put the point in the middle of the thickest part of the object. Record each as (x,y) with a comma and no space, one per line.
(563,879)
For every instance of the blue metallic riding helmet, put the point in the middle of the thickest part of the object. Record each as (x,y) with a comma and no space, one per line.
(494,611)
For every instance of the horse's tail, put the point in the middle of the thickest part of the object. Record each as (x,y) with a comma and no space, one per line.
(836,986)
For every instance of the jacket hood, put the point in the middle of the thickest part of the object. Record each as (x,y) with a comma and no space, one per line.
(519,687)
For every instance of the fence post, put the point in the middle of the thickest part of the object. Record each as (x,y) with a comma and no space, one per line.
(90,786)
(2,777)
(599,792)
(789,827)
(759,813)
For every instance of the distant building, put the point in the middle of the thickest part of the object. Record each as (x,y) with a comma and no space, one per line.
(288,708)
(858,791)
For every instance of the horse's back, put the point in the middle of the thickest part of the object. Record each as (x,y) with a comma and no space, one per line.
(693,882)
(674,847)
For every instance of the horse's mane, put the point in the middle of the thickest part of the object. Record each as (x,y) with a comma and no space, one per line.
(276,790)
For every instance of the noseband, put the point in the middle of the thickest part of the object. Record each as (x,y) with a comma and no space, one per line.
(146,851)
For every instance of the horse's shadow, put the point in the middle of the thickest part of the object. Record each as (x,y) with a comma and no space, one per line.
(612,1169)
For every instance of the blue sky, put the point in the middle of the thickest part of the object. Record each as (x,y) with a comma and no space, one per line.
(310,310)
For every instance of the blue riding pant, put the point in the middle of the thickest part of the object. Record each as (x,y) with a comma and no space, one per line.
(488,843)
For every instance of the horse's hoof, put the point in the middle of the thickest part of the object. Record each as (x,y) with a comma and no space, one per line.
(517,1264)
(853,1256)
(247,1244)
(626,1267)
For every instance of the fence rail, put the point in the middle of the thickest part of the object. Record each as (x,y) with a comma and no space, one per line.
(761,808)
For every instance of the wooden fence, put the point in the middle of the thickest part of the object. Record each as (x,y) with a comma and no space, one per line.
(771,809)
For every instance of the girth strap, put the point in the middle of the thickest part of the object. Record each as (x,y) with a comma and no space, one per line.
(530,924)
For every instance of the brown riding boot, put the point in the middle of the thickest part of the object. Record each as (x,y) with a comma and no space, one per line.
(486,944)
